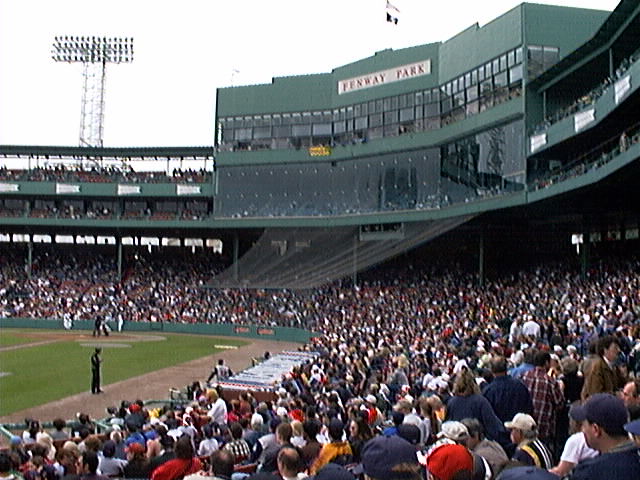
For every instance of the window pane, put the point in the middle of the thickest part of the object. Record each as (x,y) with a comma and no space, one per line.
(361,123)
(500,79)
(322,129)
(446,104)
(391,117)
(282,131)
(519,55)
(339,127)
(515,74)
(472,93)
(503,63)
(406,114)
(301,130)
(262,132)
(511,58)
(375,120)
(432,110)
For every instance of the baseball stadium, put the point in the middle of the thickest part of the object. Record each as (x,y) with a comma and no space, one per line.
(352,247)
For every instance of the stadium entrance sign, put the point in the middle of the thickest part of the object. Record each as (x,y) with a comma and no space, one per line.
(383,77)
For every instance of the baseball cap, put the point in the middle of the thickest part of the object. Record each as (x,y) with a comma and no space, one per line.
(409,432)
(336,428)
(447,460)
(526,473)
(633,427)
(371,398)
(604,409)
(109,448)
(381,454)
(135,448)
(333,471)
(453,430)
(522,421)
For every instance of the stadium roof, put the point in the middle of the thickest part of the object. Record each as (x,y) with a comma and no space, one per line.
(622,27)
(104,152)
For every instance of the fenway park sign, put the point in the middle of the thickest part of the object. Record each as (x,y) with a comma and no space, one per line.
(384,77)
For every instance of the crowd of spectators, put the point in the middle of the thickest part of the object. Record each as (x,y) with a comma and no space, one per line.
(100,174)
(589,98)
(537,369)
(590,161)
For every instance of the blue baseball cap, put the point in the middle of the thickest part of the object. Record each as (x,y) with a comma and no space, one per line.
(633,427)
(605,410)
(381,454)
(526,473)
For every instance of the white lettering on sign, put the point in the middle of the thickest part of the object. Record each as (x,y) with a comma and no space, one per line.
(403,72)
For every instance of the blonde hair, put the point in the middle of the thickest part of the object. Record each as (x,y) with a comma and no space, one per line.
(465,384)
(296,427)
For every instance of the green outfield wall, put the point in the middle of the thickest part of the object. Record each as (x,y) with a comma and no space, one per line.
(285,334)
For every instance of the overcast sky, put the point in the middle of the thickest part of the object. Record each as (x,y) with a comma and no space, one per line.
(186,49)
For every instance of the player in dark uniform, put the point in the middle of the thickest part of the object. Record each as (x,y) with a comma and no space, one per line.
(96,360)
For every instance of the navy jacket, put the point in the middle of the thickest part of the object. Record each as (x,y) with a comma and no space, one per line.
(508,396)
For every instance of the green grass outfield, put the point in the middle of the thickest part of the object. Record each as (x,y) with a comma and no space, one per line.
(33,375)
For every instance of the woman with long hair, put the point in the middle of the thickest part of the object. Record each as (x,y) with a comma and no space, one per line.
(359,434)
(467,402)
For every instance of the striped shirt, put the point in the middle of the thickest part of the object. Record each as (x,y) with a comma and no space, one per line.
(534,453)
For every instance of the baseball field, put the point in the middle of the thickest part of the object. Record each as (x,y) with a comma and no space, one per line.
(42,366)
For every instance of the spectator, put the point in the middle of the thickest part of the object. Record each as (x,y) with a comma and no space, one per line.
(450,462)
(290,465)
(633,428)
(184,463)
(604,417)
(467,402)
(337,447)
(312,448)
(530,450)
(546,395)
(575,450)
(359,435)
(526,473)
(89,468)
(166,454)
(604,375)
(220,467)
(208,444)
(238,446)
(389,458)
(138,466)
(108,465)
(283,439)
(59,434)
(506,394)
(476,442)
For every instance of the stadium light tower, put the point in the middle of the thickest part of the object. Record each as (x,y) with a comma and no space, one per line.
(94,53)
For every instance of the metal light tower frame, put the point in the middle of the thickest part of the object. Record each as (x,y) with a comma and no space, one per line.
(94,53)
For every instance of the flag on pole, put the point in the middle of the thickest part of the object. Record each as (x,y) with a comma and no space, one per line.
(392,13)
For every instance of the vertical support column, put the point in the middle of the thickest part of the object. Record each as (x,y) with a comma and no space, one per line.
(481,258)
(544,105)
(119,244)
(236,253)
(354,275)
(584,255)
(611,65)
(29,258)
